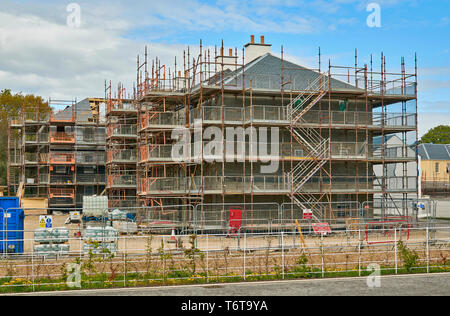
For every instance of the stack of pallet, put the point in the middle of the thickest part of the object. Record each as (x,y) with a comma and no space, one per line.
(122,223)
(100,240)
(51,242)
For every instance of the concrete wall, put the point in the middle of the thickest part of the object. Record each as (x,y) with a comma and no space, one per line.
(443,209)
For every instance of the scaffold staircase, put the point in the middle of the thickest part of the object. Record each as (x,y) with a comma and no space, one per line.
(316,148)
(308,98)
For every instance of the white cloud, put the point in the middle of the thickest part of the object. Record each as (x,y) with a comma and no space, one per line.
(39,54)
(50,59)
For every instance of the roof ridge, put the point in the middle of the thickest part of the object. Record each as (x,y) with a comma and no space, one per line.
(268,65)
(426,151)
(446,148)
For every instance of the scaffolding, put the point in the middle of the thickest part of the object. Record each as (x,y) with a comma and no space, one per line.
(59,155)
(316,128)
(327,120)
(121,148)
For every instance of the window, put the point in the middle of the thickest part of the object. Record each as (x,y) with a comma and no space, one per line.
(436,167)
(88,135)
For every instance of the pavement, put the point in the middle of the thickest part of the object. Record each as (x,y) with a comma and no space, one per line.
(437,284)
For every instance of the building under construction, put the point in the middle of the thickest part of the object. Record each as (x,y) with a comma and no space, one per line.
(58,155)
(121,150)
(315,125)
(217,130)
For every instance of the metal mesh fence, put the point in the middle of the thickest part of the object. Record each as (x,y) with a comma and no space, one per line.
(90,261)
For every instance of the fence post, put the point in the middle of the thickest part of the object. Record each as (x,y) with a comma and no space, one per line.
(80,238)
(395,247)
(207,258)
(322,254)
(245,250)
(32,264)
(125,261)
(124,270)
(428,251)
(282,254)
(359,251)
(164,260)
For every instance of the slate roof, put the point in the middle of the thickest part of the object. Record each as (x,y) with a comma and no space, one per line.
(82,111)
(265,73)
(434,151)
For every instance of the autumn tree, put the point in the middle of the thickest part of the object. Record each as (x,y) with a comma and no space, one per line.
(13,104)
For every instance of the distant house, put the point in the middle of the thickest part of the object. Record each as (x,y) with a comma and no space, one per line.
(396,156)
(435,169)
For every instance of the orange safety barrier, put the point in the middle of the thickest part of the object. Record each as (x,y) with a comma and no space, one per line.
(54,119)
(61,193)
(62,158)
(62,137)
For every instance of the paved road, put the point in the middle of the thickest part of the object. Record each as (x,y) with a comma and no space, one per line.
(432,284)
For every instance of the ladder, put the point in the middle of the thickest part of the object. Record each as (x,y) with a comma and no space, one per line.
(315,146)
(308,98)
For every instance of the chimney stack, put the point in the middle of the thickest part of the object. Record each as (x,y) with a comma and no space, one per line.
(254,50)
(230,61)
(179,81)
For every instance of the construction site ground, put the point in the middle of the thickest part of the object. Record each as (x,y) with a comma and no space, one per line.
(221,258)
(139,243)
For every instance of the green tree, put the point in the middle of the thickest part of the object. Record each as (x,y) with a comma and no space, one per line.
(13,105)
(437,135)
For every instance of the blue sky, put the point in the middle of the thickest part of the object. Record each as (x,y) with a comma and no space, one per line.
(40,54)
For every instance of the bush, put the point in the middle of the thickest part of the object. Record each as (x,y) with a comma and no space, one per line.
(409,257)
